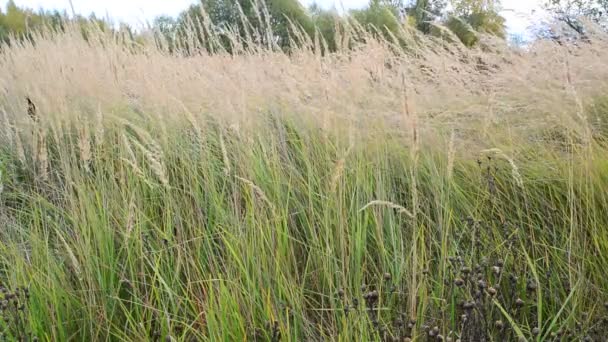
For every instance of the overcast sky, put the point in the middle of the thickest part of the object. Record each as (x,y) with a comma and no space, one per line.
(520,14)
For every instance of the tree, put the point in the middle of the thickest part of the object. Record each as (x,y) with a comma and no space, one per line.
(326,23)
(423,12)
(467,7)
(165,28)
(21,23)
(379,15)
(471,16)
(569,12)
(215,24)
(288,14)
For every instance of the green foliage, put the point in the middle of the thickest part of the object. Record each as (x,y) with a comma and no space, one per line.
(260,233)
(472,16)
(488,22)
(21,23)
(326,23)
(215,25)
(284,15)
(463,30)
(424,12)
(378,16)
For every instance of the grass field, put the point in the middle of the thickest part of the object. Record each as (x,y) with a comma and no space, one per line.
(372,194)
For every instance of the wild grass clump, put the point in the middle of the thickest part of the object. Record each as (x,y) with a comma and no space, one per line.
(371,194)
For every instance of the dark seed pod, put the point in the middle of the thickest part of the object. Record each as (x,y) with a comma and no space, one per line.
(387,276)
(340,293)
(458,282)
(519,302)
(499,325)
(31,109)
(492,291)
(535,331)
(398,322)
(531,286)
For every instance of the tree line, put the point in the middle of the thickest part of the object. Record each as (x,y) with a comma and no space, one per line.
(227,25)
(281,22)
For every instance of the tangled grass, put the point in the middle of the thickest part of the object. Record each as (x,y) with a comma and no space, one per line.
(371,194)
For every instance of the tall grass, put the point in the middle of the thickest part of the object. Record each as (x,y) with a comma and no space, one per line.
(370,194)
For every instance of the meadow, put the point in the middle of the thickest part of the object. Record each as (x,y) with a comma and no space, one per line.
(377,193)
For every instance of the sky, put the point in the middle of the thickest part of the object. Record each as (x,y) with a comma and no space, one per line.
(520,14)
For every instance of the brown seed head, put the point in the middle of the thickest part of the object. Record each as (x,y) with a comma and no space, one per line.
(458,282)
(468,306)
